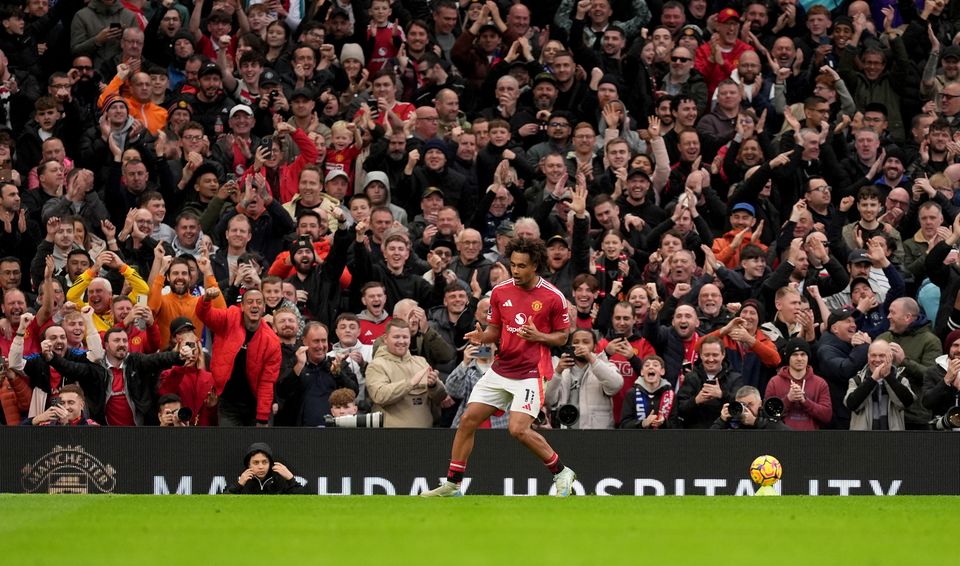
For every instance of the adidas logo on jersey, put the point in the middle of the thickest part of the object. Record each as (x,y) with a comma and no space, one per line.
(507,304)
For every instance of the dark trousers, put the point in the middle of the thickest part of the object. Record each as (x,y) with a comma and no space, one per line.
(231,414)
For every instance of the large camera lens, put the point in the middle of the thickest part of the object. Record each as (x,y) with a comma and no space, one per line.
(735,410)
(949,421)
(774,407)
(360,420)
(184,414)
(568,415)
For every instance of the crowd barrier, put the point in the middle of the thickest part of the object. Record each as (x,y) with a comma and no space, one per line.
(406,462)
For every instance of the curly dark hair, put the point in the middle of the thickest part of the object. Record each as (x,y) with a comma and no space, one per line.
(533,247)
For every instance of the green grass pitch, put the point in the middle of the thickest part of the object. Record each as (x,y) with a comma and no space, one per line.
(213,530)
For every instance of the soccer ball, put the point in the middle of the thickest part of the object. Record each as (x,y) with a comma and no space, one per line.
(765,470)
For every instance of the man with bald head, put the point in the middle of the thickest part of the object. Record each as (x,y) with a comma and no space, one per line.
(99,290)
(507,94)
(897,205)
(447,104)
(878,394)
(427,125)
(914,349)
(518,23)
(710,309)
(758,92)
(14,305)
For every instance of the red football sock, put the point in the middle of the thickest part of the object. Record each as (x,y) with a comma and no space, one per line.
(455,473)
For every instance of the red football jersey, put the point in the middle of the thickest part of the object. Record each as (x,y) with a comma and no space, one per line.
(510,308)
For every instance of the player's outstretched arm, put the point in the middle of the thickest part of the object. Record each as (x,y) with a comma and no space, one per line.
(481,335)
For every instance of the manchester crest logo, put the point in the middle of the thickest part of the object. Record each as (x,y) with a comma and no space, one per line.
(69,469)
(536,306)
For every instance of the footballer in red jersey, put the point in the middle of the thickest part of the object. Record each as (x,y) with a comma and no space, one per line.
(527,316)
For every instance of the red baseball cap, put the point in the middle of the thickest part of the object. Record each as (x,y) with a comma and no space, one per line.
(726,15)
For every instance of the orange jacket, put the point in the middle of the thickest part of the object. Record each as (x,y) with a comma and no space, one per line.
(167,307)
(152,116)
(15,399)
(764,348)
(725,252)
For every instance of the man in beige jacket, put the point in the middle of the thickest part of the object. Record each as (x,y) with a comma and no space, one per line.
(404,387)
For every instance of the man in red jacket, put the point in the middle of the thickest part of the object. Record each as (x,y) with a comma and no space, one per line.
(717,58)
(806,396)
(246,358)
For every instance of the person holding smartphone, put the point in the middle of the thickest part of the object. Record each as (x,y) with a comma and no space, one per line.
(476,361)
(585,379)
(96,30)
(708,386)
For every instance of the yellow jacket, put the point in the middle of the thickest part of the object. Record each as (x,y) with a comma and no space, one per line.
(104,322)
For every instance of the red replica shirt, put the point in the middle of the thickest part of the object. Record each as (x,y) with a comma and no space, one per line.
(370,331)
(342,160)
(118,409)
(510,308)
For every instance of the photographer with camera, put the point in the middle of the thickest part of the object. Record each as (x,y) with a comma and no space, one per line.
(941,385)
(65,410)
(343,403)
(707,386)
(315,376)
(805,395)
(171,413)
(584,384)
(746,412)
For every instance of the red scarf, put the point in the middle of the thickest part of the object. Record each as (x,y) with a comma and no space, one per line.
(690,356)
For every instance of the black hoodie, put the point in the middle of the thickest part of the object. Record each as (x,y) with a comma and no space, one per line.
(272,484)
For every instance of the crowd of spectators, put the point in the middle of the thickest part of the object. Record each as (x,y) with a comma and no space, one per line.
(221,213)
